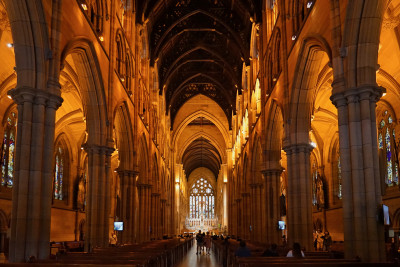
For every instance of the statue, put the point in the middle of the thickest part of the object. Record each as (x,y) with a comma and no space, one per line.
(320,192)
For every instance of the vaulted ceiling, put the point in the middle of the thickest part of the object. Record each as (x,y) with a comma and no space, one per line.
(200,47)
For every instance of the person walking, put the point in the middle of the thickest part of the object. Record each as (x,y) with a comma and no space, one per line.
(207,243)
(200,241)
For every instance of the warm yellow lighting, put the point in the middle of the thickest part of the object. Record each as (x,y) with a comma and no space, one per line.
(10,45)
(294,37)
(101,38)
(122,79)
(314,145)
(225,179)
(384,94)
(177,180)
(9,97)
(84,6)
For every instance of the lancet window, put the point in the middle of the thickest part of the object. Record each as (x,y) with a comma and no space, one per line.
(387,149)
(8,150)
(59,171)
(202,200)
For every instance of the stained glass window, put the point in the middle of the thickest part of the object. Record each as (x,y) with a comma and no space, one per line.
(386,145)
(201,200)
(8,150)
(314,177)
(59,173)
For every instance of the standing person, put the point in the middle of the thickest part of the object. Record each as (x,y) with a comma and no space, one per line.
(296,252)
(327,241)
(320,240)
(200,241)
(207,243)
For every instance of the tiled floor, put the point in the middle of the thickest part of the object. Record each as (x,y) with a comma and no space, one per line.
(193,260)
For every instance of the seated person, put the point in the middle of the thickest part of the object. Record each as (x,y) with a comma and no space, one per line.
(296,252)
(271,252)
(242,250)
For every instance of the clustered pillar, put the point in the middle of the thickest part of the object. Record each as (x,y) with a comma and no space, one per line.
(127,185)
(299,213)
(98,200)
(272,200)
(363,234)
(257,233)
(32,179)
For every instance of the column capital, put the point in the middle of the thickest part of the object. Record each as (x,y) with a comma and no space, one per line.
(34,95)
(128,172)
(296,148)
(370,92)
(98,149)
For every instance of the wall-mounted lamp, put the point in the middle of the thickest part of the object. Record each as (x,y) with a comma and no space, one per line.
(84,6)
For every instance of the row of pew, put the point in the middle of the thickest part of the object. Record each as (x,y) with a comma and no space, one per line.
(158,253)
(225,255)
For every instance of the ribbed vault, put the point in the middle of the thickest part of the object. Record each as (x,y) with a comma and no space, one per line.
(199,47)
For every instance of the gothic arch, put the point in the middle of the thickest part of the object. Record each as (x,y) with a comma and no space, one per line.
(91,87)
(207,115)
(257,161)
(303,89)
(274,136)
(124,136)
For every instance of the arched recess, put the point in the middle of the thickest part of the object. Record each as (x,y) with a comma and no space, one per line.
(91,88)
(274,136)
(198,135)
(124,137)
(200,113)
(298,115)
(257,162)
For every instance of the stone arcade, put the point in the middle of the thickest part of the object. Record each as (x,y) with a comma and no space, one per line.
(178,115)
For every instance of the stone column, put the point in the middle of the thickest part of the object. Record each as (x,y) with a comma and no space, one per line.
(246,215)
(257,231)
(299,213)
(141,215)
(272,200)
(163,217)
(363,234)
(127,185)
(98,200)
(32,188)
(238,218)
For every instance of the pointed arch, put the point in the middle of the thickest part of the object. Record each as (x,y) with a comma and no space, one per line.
(124,136)
(298,115)
(91,87)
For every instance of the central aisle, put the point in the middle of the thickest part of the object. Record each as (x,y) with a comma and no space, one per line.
(193,260)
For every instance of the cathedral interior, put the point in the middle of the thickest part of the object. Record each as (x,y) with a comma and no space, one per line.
(254,119)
